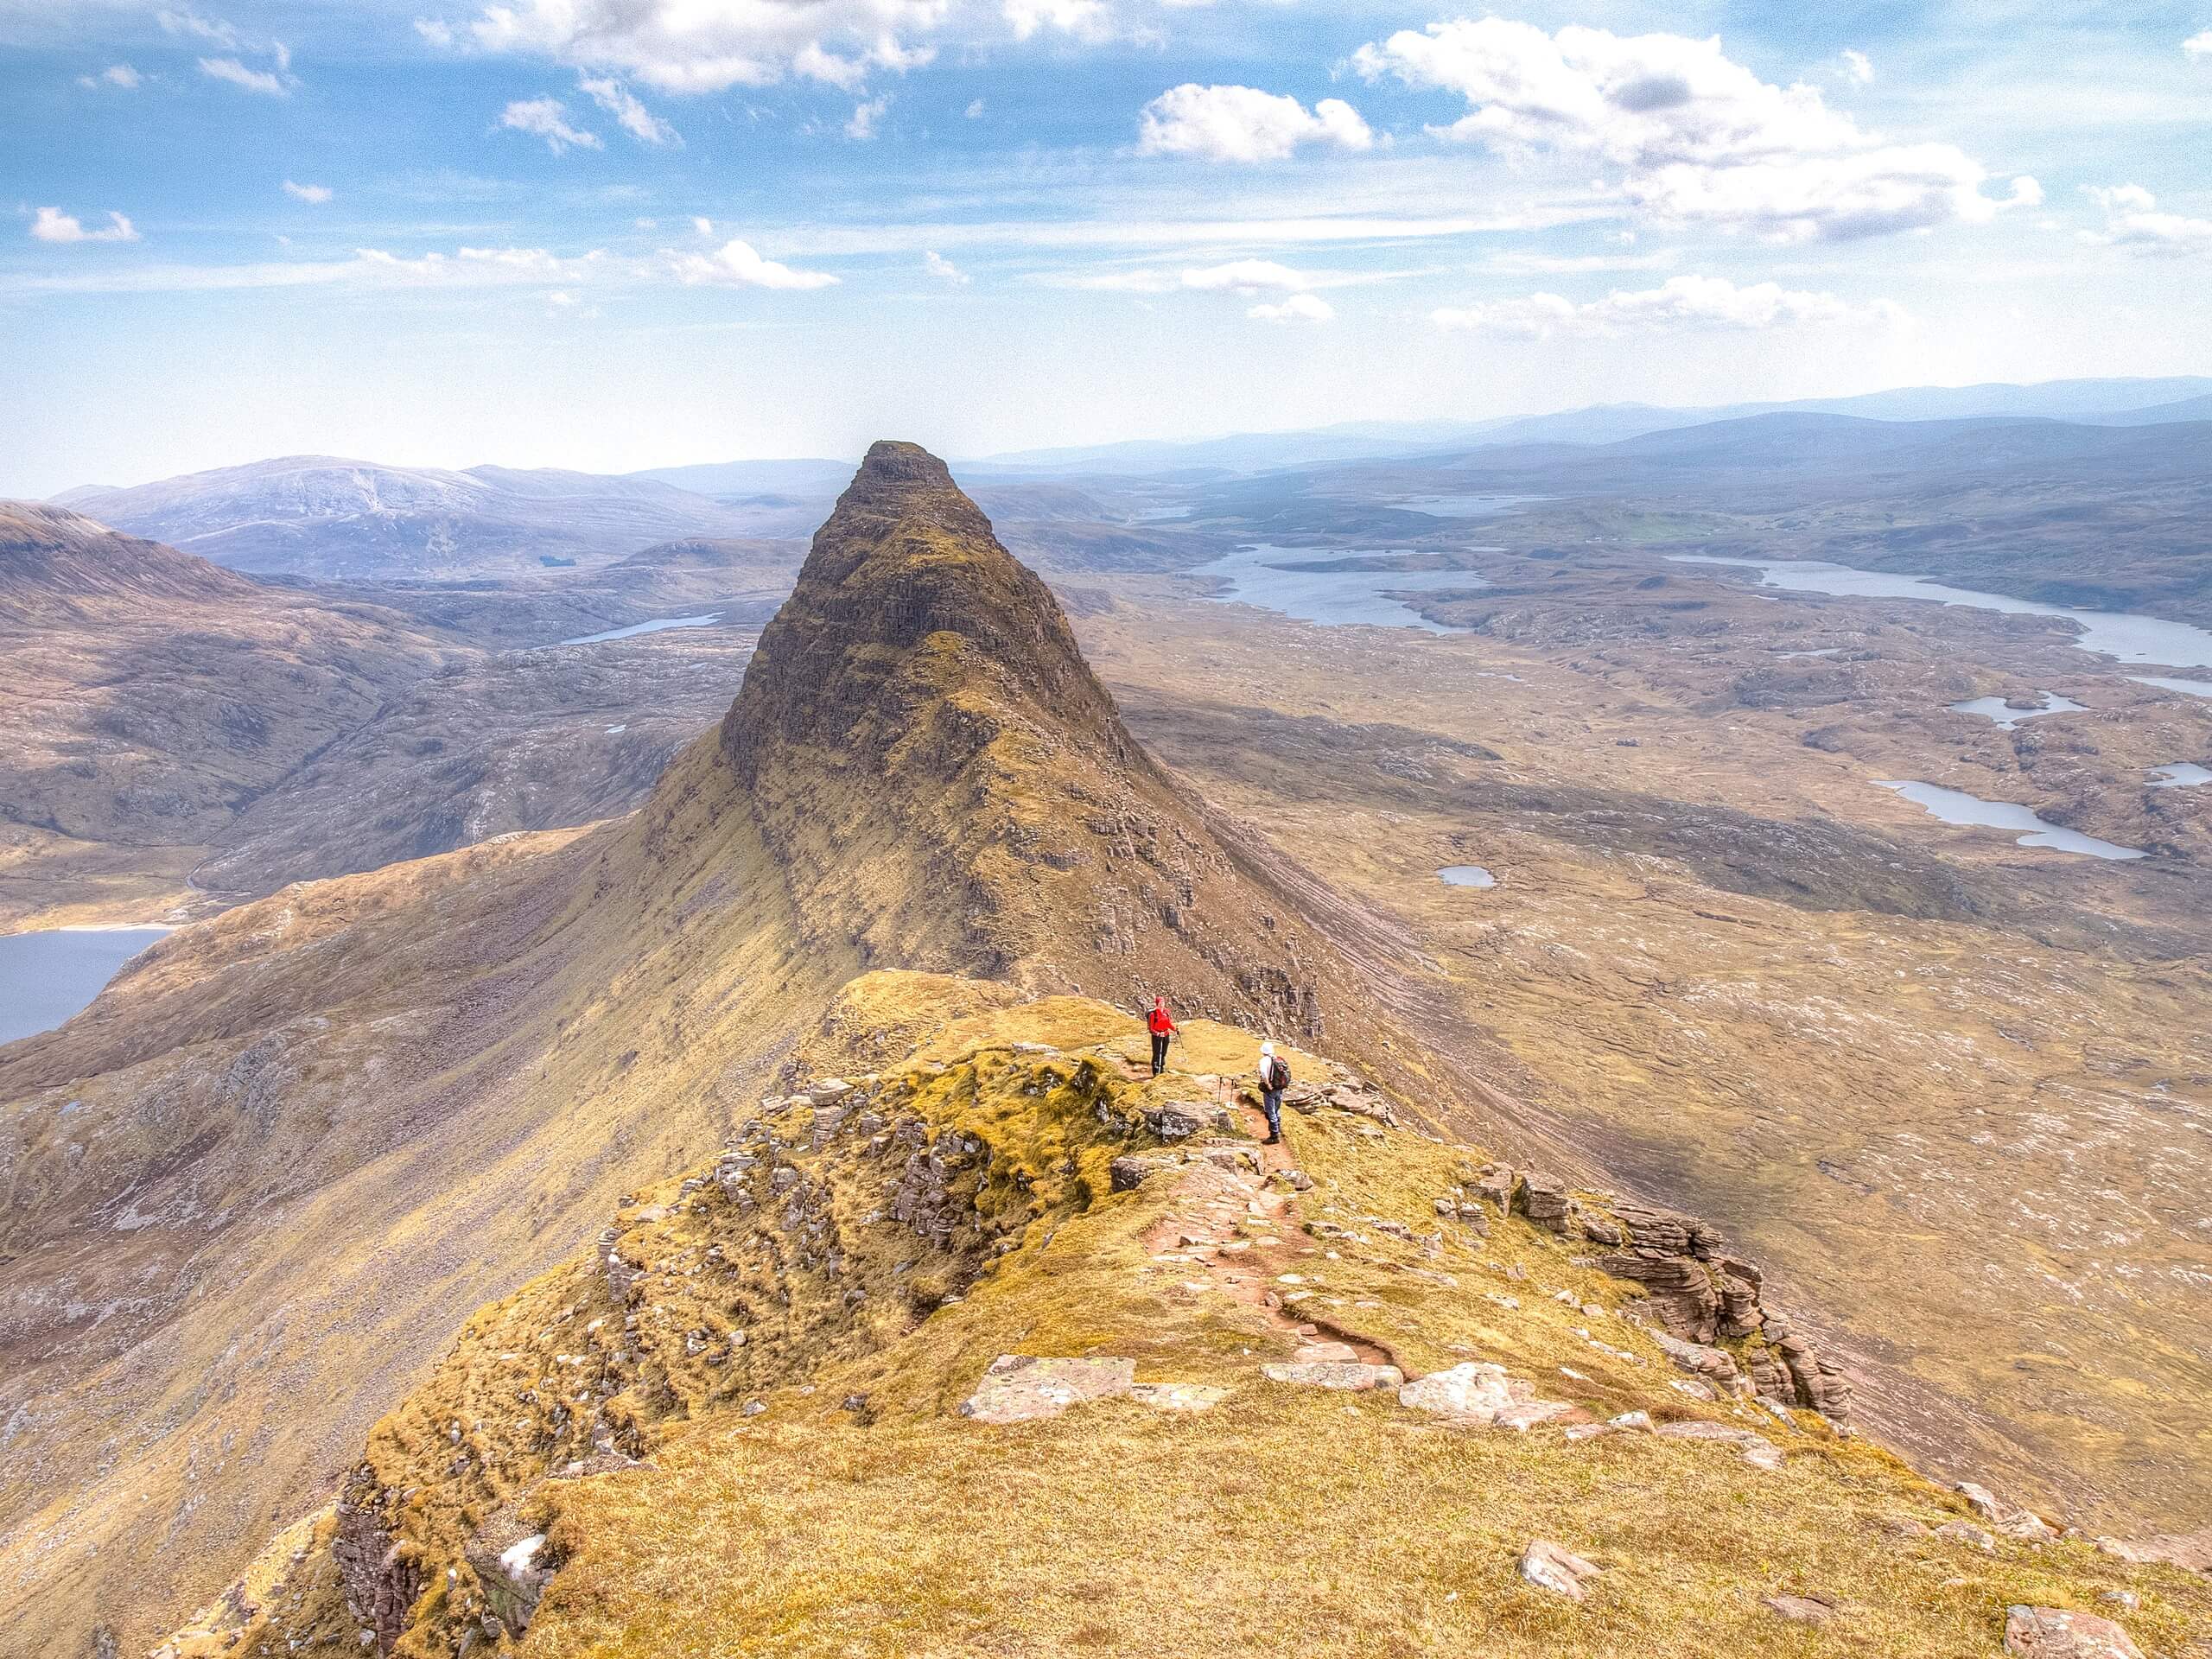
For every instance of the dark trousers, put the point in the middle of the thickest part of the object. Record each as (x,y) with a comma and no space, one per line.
(1271,1104)
(1159,1052)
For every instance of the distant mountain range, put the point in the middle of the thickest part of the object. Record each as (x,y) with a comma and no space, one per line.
(327,517)
(323,516)
(2101,403)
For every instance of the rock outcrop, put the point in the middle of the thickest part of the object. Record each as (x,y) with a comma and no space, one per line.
(1701,1292)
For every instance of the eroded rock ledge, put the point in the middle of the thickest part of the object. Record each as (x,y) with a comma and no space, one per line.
(1706,1298)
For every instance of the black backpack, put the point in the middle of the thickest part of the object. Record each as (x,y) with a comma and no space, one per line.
(1279,1079)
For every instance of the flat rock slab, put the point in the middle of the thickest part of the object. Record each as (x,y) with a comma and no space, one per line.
(1801,1610)
(1756,1449)
(1177,1396)
(1557,1568)
(1334,1374)
(1479,1395)
(1022,1388)
(2055,1633)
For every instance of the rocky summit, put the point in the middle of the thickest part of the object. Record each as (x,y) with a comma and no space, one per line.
(750,1225)
(942,783)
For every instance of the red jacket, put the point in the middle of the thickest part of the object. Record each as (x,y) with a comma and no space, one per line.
(1158,1021)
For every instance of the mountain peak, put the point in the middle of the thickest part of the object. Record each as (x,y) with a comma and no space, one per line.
(891,461)
(943,784)
(907,599)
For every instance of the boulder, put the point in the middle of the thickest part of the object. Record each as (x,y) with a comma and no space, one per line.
(1801,1610)
(2007,1517)
(1179,1119)
(1680,1290)
(1755,1449)
(1544,1200)
(1557,1568)
(1650,1228)
(1131,1170)
(1965,1532)
(1349,1375)
(1021,1388)
(1177,1396)
(509,1559)
(1599,1229)
(1716,1365)
(1480,1396)
(1739,1305)
(2058,1633)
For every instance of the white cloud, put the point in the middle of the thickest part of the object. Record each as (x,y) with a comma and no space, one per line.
(547,118)
(975,111)
(51,225)
(262,81)
(2199,45)
(700,223)
(1706,302)
(1248,277)
(1087,20)
(2133,222)
(317,193)
(436,30)
(116,75)
(1858,67)
(738,263)
(709,46)
(1299,308)
(866,115)
(1242,124)
(942,269)
(629,114)
(1699,137)
(1546,264)
(205,28)
(492,266)
(368,267)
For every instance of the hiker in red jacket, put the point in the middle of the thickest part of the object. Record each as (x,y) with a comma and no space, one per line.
(1162,1026)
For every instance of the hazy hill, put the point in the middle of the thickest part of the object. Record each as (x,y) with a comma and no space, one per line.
(2006,504)
(152,695)
(174,732)
(2133,402)
(320,516)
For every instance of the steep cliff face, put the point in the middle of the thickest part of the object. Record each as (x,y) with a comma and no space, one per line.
(943,784)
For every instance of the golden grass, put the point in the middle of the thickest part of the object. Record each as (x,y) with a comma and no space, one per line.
(1286,1520)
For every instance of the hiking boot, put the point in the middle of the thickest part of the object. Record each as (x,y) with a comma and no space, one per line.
(1272,1141)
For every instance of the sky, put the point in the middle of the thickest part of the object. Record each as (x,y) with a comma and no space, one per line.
(616,234)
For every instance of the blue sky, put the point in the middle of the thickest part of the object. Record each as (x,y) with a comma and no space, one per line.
(620,233)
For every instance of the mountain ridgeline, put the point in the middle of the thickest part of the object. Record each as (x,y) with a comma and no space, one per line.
(330,1123)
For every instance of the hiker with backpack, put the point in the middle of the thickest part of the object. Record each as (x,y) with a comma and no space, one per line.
(1162,1026)
(1274,1078)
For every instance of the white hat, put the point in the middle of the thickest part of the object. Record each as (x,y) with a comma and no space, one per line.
(1266,1048)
